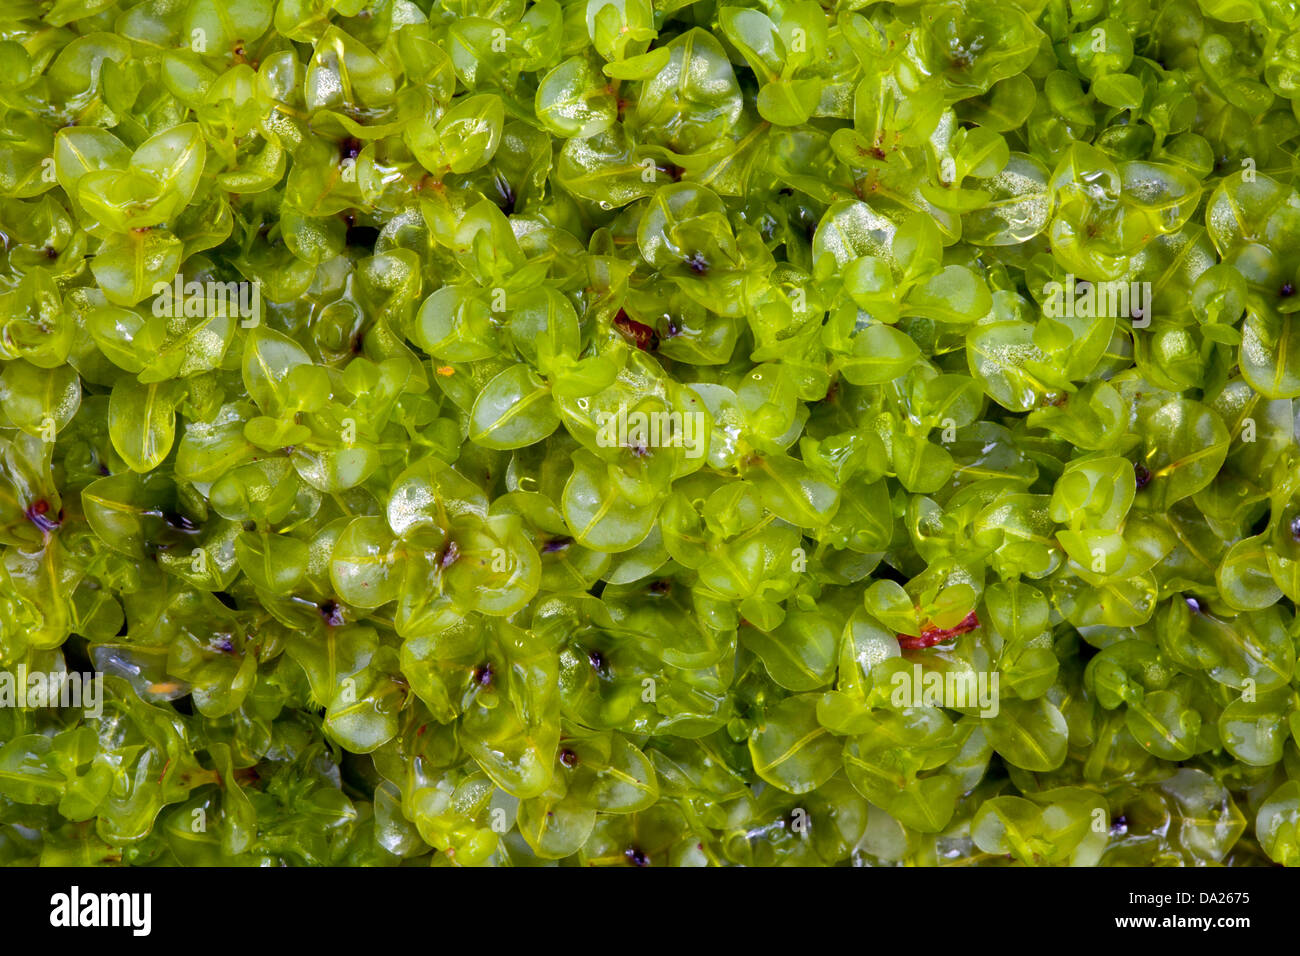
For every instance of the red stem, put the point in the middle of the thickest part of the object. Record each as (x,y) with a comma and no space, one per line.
(937,635)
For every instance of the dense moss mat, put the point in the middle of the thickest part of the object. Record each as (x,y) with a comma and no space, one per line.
(649,433)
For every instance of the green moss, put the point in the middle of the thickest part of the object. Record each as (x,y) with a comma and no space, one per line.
(650,432)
